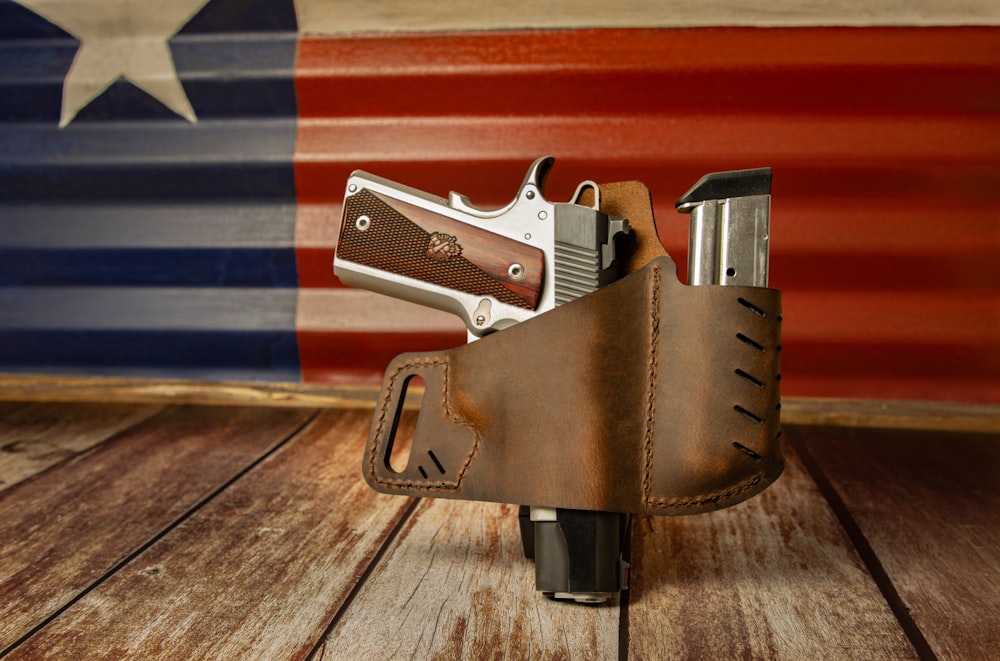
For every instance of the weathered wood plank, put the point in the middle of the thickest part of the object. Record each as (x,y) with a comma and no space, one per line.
(928,504)
(70,527)
(774,577)
(891,414)
(338,16)
(943,416)
(36,436)
(49,388)
(259,571)
(455,585)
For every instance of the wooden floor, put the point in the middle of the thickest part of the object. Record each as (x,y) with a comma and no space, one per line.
(150,531)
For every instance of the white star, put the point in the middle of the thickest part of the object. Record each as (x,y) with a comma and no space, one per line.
(120,38)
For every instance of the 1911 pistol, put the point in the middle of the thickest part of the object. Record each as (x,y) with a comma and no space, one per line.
(493,268)
(497,268)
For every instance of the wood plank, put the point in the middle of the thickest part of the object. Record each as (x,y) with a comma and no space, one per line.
(773,577)
(455,585)
(324,16)
(928,504)
(36,436)
(51,388)
(891,414)
(353,393)
(261,570)
(67,529)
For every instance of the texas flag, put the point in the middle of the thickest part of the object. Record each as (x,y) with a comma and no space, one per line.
(171,173)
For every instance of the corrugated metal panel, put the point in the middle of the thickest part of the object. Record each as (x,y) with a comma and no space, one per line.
(135,242)
(885,145)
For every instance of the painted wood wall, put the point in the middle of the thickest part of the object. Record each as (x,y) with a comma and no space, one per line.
(187,230)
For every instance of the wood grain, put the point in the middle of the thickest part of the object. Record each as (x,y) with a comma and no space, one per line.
(891,414)
(929,506)
(259,571)
(36,436)
(48,388)
(455,585)
(316,16)
(145,546)
(69,528)
(774,577)
(941,416)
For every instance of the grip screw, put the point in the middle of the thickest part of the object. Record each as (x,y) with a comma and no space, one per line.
(363,223)
(516,271)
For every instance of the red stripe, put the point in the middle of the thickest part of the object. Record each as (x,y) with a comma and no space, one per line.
(621,72)
(315,266)
(932,371)
(885,144)
(851,159)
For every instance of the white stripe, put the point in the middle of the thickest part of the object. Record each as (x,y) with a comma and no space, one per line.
(154,225)
(146,308)
(356,310)
(317,225)
(342,16)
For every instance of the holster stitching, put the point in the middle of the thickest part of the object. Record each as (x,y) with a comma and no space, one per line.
(450,415)
(651,502)
(652,371)
(712,497)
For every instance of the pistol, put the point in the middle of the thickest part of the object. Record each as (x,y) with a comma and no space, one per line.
(495,268)
(492,268)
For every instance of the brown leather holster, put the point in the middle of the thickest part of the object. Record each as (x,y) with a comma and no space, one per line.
(646,396)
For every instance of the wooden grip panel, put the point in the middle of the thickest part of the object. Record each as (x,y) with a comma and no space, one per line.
(401,238)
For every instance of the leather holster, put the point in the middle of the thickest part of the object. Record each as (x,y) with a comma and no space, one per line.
(646,396)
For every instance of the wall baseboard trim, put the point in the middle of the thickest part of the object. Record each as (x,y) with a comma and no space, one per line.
(886,414)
